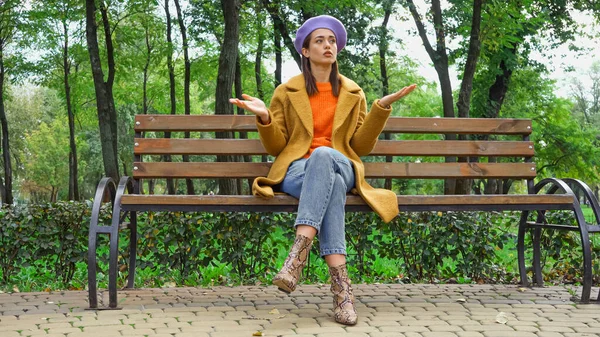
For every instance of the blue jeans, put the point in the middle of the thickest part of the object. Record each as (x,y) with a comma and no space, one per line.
(321,182)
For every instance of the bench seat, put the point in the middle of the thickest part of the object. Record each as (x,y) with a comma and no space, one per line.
(285,203)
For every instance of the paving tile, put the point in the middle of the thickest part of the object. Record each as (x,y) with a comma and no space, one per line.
(413,310)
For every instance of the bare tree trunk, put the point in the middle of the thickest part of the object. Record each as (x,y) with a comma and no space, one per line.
(226,77)
(439,58)
(463,186)
(167,158)
(107,120)
(240,111)
(149,49)
(466,86)
(73,174)
(7,196)
(186,85)
(279,23)
(278,56)
(259,52)
(383,48)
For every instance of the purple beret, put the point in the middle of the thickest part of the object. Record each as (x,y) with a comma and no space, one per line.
(321,21)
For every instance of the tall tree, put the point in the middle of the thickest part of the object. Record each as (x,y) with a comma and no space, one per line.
(226,76)
(383,50)
(107,116)
(273,7)
(9,18)
(186,82)
(172,96)
(56,22)
(439,57)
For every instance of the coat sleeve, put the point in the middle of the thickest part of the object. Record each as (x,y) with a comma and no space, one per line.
(369,127)
(274,136)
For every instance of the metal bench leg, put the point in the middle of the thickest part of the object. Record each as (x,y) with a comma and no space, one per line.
(521,248)
(587,254)
(113,268)
(537,260)
(132,248)
(593,203)
(106,185)
(92,291)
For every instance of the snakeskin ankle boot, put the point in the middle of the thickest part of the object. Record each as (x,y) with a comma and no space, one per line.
(343,299)
(287,278)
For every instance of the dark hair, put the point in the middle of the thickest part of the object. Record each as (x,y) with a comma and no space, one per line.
(309,79)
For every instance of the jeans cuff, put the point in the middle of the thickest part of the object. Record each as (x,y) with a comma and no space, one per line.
(325,252)
(307,222)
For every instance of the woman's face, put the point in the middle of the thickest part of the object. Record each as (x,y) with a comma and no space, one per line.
(322,47)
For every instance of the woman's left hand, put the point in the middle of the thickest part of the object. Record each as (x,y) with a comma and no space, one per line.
(391,98)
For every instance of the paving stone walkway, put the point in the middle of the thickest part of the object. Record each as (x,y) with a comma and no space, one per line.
(416,310)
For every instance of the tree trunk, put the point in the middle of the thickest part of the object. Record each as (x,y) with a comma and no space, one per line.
(240,111)
(466,86)
(110,80)
(146,69)
(383,48)
(498,90)
(167,158)
(73,174)
(463,186)
(107,121)
(7,196)
(278,56)
(440,62)
(279,24)
(145,91)
(186,85)
(258,57)
(226,77)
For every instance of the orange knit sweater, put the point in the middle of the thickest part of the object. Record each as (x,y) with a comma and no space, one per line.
(323,109)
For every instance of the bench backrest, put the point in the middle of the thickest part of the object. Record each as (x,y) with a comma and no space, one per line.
(498,148)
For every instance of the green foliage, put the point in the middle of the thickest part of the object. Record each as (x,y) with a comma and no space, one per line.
(45,247)
(45,161)
(49,236)
(561,255)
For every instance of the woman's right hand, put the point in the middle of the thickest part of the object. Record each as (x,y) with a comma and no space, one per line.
(254,105)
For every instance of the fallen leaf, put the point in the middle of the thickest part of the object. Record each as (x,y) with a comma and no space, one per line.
(501,318)
(461,300)
(274,312)
(282,316)
(258,333)
(522,290)
(16,290)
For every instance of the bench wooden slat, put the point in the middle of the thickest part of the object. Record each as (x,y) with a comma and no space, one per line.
(160,146)
(403,200)
(373,170)
(421,125)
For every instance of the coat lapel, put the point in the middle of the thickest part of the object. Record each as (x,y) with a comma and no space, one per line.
(299,99)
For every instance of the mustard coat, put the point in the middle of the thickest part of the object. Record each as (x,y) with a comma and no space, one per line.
(289,135)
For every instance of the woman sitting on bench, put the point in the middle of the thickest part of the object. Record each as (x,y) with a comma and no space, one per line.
(317,127)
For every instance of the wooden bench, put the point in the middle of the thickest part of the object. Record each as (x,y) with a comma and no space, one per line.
(509,139)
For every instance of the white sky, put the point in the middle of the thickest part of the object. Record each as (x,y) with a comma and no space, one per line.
(558,61)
